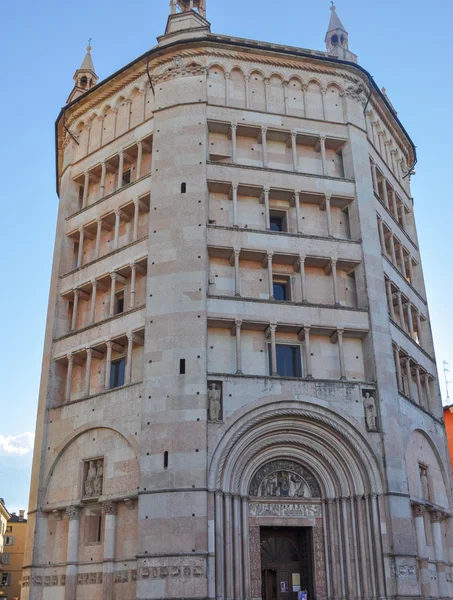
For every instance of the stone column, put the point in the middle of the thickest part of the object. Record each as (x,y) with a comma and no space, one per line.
(80,252)
(407,361)
(361,523)
(266,207)
(227,89)
(341,561)
(266,94)
(130,347)
(234,143)
(247,91)
(392,250)
(402,261)
(394,204)
(304,96)
(108,364)
(228,540)
(286,100)
(112,294)
(322,141)
(303,285)
(234,190)
(388,284)
(382,235)
(138,170)
(419,511)
(69,377)
(411,270)
(264,143)
(75,308)
(237,272)
(307,352)
(384,189)
(88,371)
(399,378)
(333,264)
(94,288)
(400,310)
(330,524)
(237,549)
(109,511)
(103,174)
(237,327)
(374,177)
(219,549)
(378,545)
(294,149)
(410,320)
(298,215)
(120,170)
(347,548)
(323,102)
(246,548)
(98,238)
(403,216)
(371,547)
(270,275)
(133,285)
(419,327)
(86,186)
(136,218)
(270,333)
(421,399)
(340,333)
(117,228)
(436,519)
(73,513)
(328,215)
(427,386)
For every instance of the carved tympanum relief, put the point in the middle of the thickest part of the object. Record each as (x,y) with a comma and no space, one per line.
(284,479)
(94,476)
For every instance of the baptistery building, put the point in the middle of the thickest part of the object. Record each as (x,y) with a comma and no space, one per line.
(239,395)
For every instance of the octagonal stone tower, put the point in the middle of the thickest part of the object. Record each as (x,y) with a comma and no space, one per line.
(239,396)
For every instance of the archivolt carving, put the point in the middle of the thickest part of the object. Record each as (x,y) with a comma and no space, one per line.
(284,479)
(337,429)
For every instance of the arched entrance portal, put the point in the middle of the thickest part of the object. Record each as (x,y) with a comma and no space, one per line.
(285,510)
(298,499)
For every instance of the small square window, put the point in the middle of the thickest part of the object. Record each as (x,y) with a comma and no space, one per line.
(9,528)
(278,220)
(127,177)
(288,360)
(282,288)
(117,372)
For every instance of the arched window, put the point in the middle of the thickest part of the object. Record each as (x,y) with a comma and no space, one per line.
(84,81)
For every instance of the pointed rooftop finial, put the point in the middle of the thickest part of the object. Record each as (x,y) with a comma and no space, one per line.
(337,37)
(85,78)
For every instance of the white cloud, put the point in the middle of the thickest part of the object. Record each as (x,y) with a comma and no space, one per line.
(17,445)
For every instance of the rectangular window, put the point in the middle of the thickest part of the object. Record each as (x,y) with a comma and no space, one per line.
(117,372)
(93,529)
(9,529)
(6,578)
(9,540)
(282,288)
(126,177)
(5,558)
(81,192)
(288,361)
(278,221)
(119,303)
(182,366)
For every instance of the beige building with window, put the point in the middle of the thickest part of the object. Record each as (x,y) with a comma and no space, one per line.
(239,396)
(5,576)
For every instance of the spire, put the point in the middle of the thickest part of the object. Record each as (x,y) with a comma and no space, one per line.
(85,78)
(187,19)
(337,41)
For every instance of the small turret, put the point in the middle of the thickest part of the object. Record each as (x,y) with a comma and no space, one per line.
(337,41)
(185,5)
(85,78)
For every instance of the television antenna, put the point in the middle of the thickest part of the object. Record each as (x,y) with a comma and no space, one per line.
(447,383)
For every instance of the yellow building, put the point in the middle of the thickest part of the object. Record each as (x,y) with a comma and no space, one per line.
(13,556)
(4,516)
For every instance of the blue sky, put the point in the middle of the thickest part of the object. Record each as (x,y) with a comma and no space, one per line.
(406,45)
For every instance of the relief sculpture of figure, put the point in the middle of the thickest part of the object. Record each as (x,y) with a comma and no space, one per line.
(215,402)
(99,477)
(89,482)
(369,404)
(283,484)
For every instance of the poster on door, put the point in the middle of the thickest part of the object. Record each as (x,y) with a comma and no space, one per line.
(302,595)
(283,587)
(296,582)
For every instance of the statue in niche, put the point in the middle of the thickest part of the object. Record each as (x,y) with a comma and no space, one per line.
(94,478)
(369,405)
(215,401)
(99,478)
(424,482)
